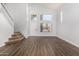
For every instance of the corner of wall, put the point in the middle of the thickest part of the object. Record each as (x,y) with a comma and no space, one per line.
(67,41)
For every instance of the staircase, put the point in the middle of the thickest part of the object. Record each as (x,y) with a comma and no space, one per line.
(16,38)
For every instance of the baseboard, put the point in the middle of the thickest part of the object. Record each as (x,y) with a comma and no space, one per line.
(2,45)
(68,41)
(26,36)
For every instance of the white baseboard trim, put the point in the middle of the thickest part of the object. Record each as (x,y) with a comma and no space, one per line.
(68,41)
(26,36)
(2,45)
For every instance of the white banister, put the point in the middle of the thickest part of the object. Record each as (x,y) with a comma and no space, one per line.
(6,12)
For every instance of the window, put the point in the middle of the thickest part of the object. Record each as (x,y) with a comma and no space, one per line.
(47,17)
(45,24)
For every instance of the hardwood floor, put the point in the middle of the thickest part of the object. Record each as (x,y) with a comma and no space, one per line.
(40,46)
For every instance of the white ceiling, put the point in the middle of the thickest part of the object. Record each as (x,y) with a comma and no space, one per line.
(51,6)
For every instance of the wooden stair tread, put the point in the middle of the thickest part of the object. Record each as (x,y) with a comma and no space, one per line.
(13,41)
(14,38)
(16,35)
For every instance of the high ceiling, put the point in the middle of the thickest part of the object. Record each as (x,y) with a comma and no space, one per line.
(51,6)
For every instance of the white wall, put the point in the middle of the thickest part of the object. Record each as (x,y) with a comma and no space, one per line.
(39,10)
(6,28)
(18,11)
(69,28)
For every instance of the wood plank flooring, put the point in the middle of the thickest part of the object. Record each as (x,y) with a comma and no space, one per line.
(40,46)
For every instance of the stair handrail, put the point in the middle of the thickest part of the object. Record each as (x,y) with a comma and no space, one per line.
(11,21)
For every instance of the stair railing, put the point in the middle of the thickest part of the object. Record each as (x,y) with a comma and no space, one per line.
(4,6)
